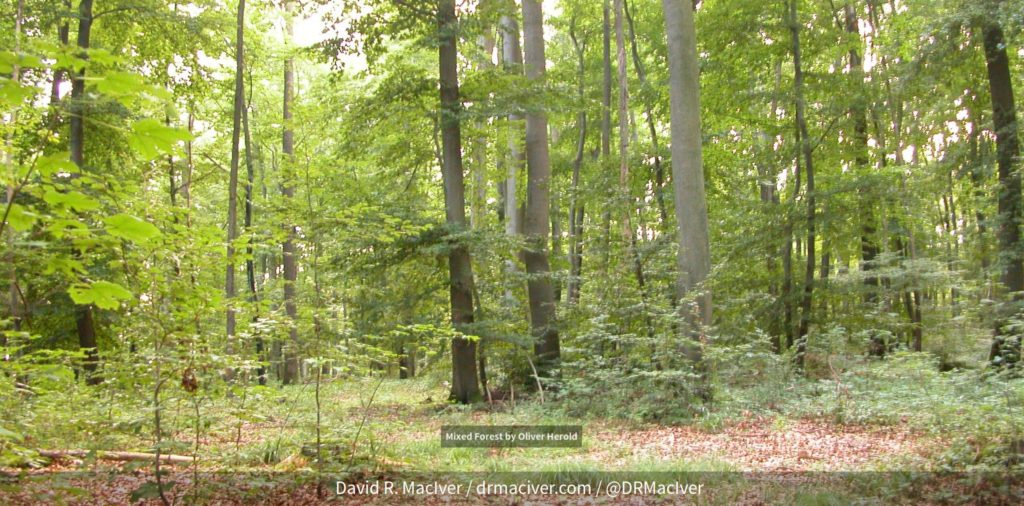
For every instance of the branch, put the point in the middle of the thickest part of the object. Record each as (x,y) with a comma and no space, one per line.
(116,456)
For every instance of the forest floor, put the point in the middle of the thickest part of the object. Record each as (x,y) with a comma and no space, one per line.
(383,430)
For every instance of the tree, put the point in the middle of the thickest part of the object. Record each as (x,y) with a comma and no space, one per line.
(1006,345)
(289,258)
(465,386)
(694,257)
(76,141)
(806,150)
(236,130)
(576,206)
(512,59)
(538,187)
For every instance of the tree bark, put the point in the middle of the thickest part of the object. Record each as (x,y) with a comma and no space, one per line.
(289,255)
(63,34)
(76,143)
(9,259)
(694,257)
(465,386)
(626,198)
(858,111)
(1005,345)
(512,60)
(236,131)
(806,304)
(538,166)
(575,206)
(250,262)
(606,127)
(659,171)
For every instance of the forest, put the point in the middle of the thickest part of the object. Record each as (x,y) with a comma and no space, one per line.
(277,251)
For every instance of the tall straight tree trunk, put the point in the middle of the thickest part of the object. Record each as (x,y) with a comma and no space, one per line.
(659,171)
(858,111)
(236,130)
(806,302)
(288,253)
(575,206)
(512,60)
(478,207)
(76,143)
(538,187)
(465,387)
(694,258)
(250,265)
(63,34)
(12,271)
(606,126)
(626,198)
(1005,346)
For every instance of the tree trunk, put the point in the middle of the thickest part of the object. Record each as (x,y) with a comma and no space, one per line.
(288,253)
(76,144)
(659,171)
(236,130)
(512,60)
(858,111)
(250,266)
(626,198)
(1006,345)
(465,388)
(575,206)
(63,34)
(606,128)
(806,304)
(694,258)
(12,271)
(538,166)
(478,207)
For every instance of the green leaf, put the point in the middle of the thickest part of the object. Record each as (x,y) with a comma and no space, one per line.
(72,199)
(121,84)
(150,138)
(8,59)
(103,294)
(131,228)
(20,219)
(13,93)
(56,162)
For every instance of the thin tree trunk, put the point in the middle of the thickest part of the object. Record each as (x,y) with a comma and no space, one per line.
(236,128)
(659,171)
(626,198)
(288,252)
(76,143)
(806,304)
(63,34)
(250,267)
(575,206)
(12,271)
(465,388)
(478,206)
(538,187)
(606,128)
(512,60)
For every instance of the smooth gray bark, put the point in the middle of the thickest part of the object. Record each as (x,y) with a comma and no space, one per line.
(694,258)
(536,226)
